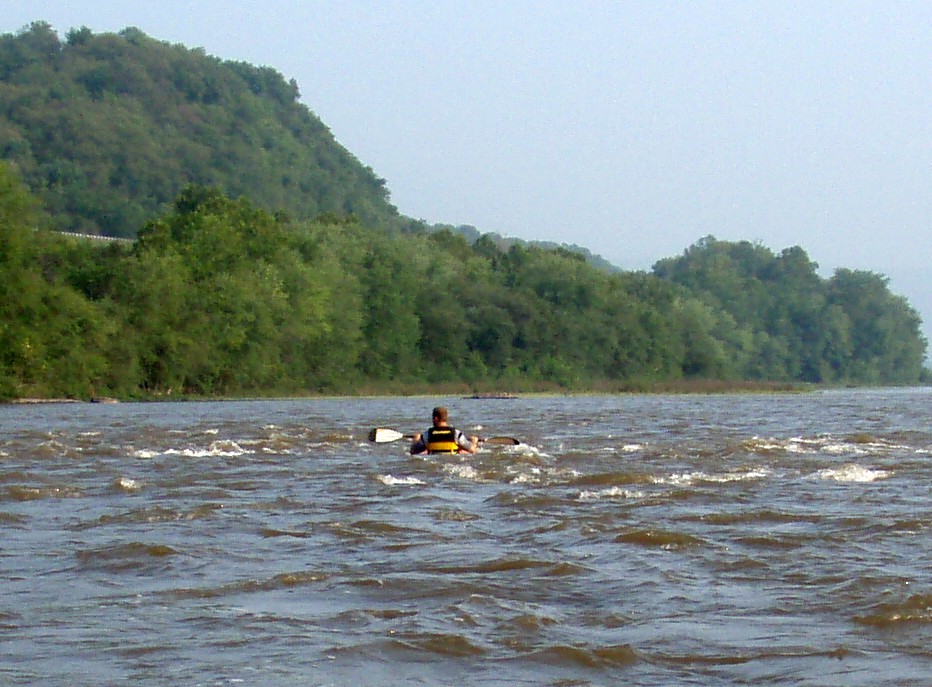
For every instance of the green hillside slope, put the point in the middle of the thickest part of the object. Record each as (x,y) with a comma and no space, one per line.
(107,129)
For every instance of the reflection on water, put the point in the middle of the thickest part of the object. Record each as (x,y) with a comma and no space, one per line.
(651,540)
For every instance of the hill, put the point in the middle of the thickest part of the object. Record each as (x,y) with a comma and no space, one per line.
(106,130)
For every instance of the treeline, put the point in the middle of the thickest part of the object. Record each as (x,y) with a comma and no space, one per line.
(219,297)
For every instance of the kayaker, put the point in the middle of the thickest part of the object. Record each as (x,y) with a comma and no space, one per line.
(441,438)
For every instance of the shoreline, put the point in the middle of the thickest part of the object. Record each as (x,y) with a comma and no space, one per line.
(698,388)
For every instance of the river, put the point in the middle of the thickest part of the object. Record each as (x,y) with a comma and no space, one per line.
(653,540)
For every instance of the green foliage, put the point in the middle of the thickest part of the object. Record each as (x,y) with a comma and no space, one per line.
(107,129)
(794,325)
(53,341)
(220,297)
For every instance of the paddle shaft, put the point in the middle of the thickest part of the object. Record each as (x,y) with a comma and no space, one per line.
(382,435)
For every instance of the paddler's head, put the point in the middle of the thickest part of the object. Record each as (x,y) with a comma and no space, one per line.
(440,416)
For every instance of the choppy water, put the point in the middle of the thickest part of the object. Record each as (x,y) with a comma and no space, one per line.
(641,540)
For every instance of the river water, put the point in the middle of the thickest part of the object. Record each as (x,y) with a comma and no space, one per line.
(638,540)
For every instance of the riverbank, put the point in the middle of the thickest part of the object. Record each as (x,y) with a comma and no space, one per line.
(466,391)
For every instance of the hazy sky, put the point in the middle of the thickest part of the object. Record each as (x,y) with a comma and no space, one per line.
(631,128)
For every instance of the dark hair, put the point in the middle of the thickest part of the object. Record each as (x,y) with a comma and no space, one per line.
(440,413)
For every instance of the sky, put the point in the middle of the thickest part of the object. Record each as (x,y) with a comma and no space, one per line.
(633,129)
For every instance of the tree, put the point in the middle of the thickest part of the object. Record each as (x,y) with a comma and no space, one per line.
(52,340)
(885,332)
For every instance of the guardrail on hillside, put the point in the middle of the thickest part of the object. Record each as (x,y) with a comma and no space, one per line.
(94,237)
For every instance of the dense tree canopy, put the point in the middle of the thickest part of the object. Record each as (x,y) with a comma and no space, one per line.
(220,297)
(107,129)
(794,324)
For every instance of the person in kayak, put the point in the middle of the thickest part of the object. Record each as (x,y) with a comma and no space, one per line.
(441,438)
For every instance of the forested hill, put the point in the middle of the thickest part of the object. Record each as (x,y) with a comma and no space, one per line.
(106,129)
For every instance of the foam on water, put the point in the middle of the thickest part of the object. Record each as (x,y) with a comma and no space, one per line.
(854,473)
(611,493)
(127,484)
(690,478)
(217,449)
(392,481)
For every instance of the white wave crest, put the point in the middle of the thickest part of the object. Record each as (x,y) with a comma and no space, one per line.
(127,484)
(525,450)
(462,471)
(530,475)
(145,453)
(689,478)
(856,446)
(610,493)
(216,449)
(392,481)
(853,473)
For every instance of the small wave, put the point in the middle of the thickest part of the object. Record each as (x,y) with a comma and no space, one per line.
(689,478)
(21,493)
(145,453)
(775,543)
(380,528)
(56,449)
(507,565)
(599,657)
(454,515)
(462,471)
(759,516)
(658,538)
(916,609)
(10,518)
(225,448)
(853,473)
(615,478)
(531,477)
(9,620)
(610,493)
(123,557)
(528,622)
(126,484)
(441,644)
(154,514)
(271,532)
(626,448)
(287,580)
(526,451)
(392,481)
(854,444)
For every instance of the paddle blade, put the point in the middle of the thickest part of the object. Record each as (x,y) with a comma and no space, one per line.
(501,441)
(382,435)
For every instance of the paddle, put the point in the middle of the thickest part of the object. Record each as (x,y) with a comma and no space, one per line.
(382,435)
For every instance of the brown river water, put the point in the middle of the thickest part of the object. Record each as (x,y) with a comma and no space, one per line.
(637,540)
